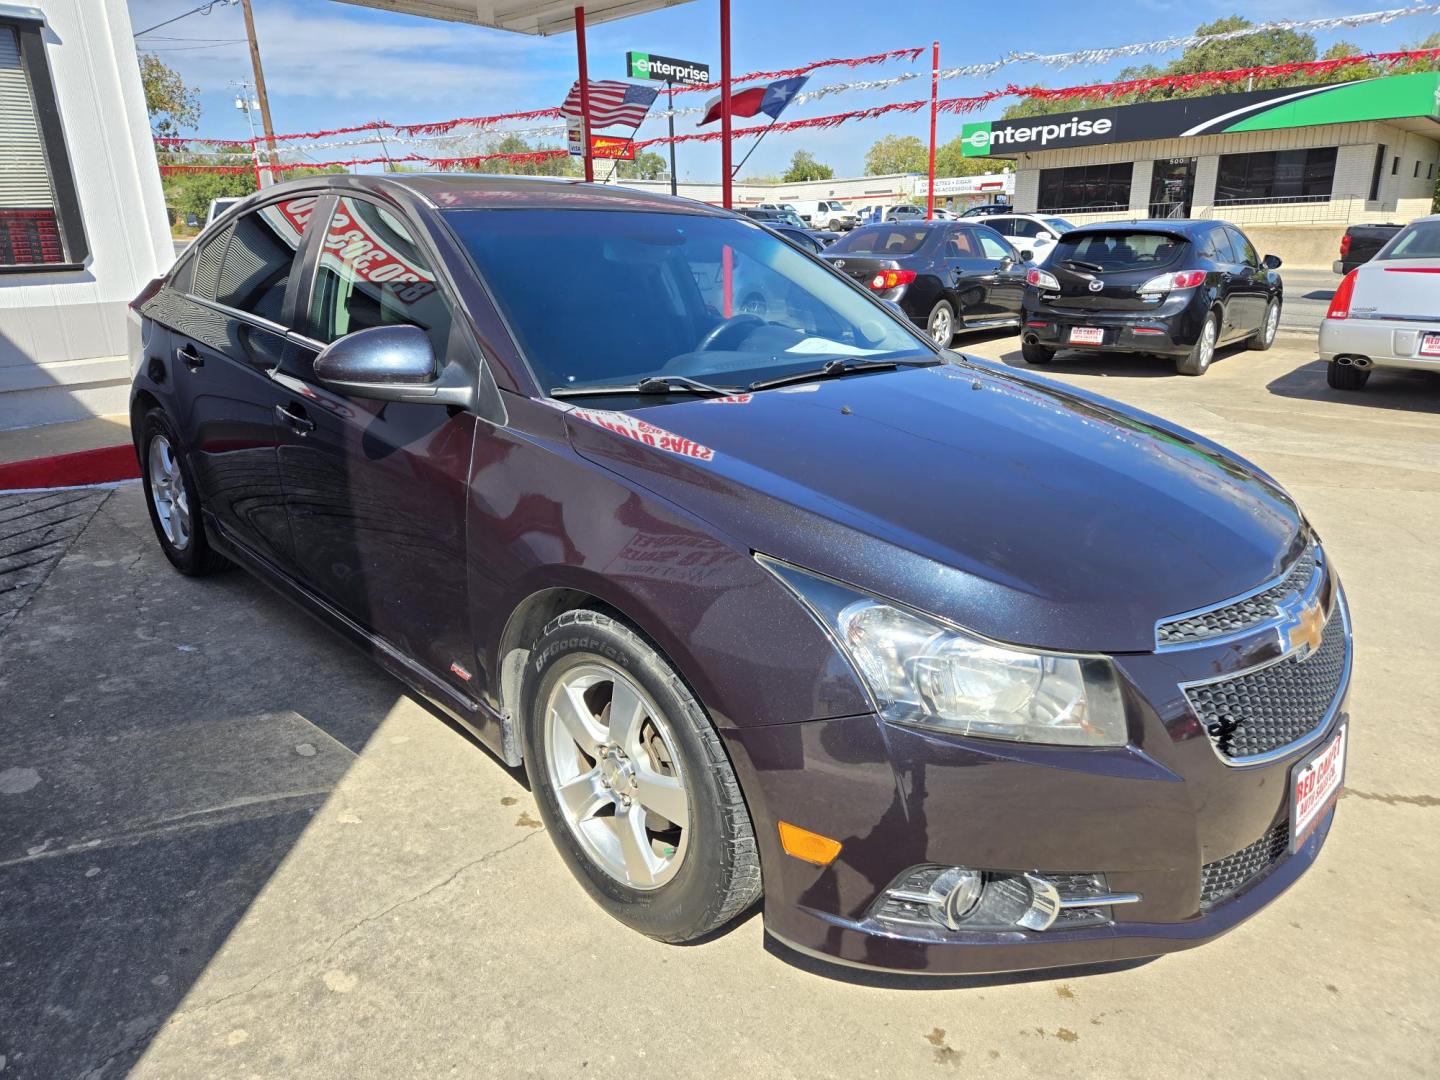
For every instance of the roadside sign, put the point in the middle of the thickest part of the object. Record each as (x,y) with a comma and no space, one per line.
(639,65)
(574,128)
(610,147)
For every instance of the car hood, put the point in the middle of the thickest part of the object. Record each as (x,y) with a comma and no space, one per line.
(1025,511)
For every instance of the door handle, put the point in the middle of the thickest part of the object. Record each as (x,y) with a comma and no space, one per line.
(188,356)
(299,422)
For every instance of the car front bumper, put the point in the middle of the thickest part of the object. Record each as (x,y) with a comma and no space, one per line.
(1154,818)
(1385,343)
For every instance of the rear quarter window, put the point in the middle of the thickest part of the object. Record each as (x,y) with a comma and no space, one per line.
(1119,251)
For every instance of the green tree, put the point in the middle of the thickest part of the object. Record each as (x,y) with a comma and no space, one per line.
(564,165)
(896,154)
(172,105)
(1252,50)
(191,192)
(803,166)
(646,166)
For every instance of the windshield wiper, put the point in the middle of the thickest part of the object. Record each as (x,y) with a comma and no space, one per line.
(846,365)
(1094,267)
(651,384)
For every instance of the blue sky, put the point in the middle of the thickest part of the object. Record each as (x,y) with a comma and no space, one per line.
(331,64)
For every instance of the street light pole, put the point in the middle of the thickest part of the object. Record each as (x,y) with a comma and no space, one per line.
(260,93)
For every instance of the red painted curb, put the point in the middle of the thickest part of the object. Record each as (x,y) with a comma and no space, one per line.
(102,466)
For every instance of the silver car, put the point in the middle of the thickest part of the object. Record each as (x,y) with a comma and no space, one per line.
(1386,313)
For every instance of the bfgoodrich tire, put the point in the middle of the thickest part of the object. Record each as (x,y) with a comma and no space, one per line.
(1346,376)
(618,751)
(173,499)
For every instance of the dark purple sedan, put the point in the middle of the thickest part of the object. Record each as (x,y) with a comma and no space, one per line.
(956,668)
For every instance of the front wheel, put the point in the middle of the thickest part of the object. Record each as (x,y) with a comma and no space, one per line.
(633,782)
(1197,361)
(1263,338)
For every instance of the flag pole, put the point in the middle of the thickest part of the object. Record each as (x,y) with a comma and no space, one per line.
(758,141)
(726,186)
(584,94)
(934,108)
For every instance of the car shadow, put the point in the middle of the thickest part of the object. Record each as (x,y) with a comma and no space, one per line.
(167,743)
(1393,389)
(894,980)
(1110,364)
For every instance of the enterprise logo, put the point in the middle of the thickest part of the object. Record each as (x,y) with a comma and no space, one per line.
(977,140)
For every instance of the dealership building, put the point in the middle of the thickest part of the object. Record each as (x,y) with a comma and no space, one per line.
(1290,159)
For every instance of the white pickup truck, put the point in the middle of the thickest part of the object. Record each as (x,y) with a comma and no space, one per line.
(828,214)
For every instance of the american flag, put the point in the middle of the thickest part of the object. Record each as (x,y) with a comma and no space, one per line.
(612,102)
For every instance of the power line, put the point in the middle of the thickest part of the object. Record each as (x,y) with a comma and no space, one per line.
(203,9)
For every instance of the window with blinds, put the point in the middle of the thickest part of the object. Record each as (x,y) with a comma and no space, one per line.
(29,225)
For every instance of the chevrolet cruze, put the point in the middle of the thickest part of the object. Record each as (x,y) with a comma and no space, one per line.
(956,668)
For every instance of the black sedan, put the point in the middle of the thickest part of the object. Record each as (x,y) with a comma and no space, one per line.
(1164,288)
(947,276)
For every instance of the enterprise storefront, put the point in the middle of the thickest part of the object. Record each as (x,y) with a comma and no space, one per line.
(1365,150)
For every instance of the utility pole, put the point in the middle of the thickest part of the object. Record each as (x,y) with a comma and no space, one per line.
(260,93)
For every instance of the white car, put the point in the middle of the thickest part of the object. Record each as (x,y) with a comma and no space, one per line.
(1386,312)
(1032,232)
(828,214)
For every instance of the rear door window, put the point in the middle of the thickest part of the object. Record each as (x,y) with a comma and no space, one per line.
(960,244)
(256,272)
(1120,251)
(1025,228)
(882,241)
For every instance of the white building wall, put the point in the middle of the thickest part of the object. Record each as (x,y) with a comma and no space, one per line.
(63,333)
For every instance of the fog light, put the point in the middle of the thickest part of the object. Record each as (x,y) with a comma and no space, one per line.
(936,899)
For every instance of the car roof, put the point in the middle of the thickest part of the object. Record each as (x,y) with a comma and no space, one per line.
(1178,226)
(473,191)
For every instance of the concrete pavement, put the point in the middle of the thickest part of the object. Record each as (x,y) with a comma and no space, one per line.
(230,847)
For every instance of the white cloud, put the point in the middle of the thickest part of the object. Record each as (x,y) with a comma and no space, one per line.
(329,53)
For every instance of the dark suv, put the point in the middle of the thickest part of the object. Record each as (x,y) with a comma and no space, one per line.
(962,670)
(1166,288)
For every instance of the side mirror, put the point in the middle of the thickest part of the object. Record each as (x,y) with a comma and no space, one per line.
(390,363)
(1027,255)
(1271,262)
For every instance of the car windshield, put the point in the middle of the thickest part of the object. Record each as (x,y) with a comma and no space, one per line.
(881,240)
(1058,223)
(835,206)
(1117,251)
(614,297)
(1420,240)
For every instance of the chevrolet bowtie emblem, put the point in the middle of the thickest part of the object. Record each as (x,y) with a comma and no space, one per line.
(1302,626)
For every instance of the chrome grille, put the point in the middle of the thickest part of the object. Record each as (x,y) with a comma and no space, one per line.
(1271,708)
(1239,615)
(1223,878)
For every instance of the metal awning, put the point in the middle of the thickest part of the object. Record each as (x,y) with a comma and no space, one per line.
(521,16)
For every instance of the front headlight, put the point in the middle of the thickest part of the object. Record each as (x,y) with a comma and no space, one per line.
(921,671)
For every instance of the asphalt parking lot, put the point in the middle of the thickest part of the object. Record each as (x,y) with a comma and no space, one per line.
(230,847)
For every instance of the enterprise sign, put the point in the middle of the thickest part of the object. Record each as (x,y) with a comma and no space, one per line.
(1414,95)
(641,65)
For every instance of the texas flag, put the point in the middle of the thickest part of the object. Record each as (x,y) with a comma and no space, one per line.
(769,99)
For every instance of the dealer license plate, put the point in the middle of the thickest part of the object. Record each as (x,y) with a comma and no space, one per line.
(1088,335)
(1314,786)
(1430,345)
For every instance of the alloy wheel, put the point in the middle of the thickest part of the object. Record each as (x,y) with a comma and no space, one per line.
(167,493)
(610,758)
(1207,343)
(941,329)
(1272,323)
